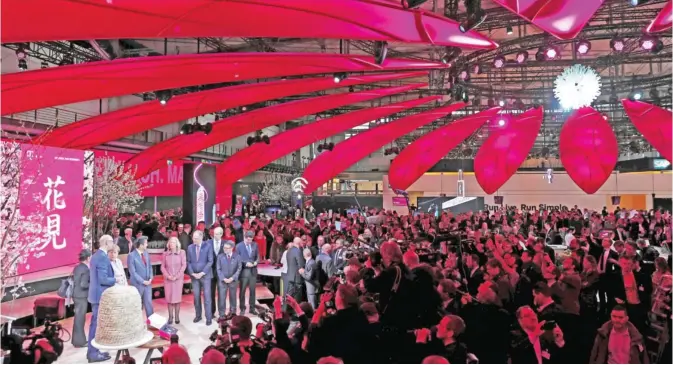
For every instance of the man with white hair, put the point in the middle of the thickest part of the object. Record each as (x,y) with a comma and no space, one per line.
(309,273)
(325,265)
(126,243)
(218,249)
(295,261)
(101,277)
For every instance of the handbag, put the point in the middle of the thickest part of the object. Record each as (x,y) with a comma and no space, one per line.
(66,289)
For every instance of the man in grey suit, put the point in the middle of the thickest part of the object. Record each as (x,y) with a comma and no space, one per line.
(101,277)
(228,270)
(310,274)
(295,261)
(200,269)
(140,273)
(218,248)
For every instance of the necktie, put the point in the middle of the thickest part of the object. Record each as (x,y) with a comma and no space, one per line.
(248,247)
(198,249)
(217,246)
(143,257)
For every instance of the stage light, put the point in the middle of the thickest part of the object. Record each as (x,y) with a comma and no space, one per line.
(44,64)
(380,51)
(605,117)
(21,53)
(266,139)
(501,102)
(163,96)
(638,2)
(410,4)
(521,57)
(258,138)
(651,43)
(583,46)
(510,31)
(499,62)
(244,108)
(250,140)
(186,129)
(617,44)
(476,69)
(66,60)
(207,128)
(636,95)
(351,89)
(539,55)
(464,74)
(340,76)
(501,122)
(551,53)
(23,65)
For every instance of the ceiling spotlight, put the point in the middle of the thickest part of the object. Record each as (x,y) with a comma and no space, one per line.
(207,128)
(380,51)
(250,140)
(44,64)
(552,53)
(501,102)
(23,65)
(66,60)
(636,95)
(605,117)
(658,46)
(539,55)
(521,57)
(617,44)
(510,31)
(410,4)
(499,62)
(186,129)
(476,68)
(501,122)
(258,138)
(21,53)
(583,46)
(351,89)
(340,76)
(464,74)
(638,2)
(163,96)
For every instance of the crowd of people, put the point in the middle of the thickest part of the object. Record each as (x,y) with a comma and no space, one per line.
(571,286)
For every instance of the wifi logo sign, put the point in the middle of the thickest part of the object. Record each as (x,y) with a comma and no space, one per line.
(299,184)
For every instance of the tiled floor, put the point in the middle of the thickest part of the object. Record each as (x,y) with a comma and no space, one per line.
(194,336)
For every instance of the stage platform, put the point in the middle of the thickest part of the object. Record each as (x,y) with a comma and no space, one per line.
(194,336)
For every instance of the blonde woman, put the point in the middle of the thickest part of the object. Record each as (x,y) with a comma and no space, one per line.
(117,266)
(173,266)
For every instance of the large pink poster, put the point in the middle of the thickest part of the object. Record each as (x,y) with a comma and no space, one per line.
(166,181)
(51,190)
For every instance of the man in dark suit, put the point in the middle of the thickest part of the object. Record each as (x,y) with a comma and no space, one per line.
(126,243)
(218,248)
(606,269)
(475,276)
(295,261)
(632,289)
(184,231)
(228,270)
(249,255)
(531,344)
(200,268)
(325,266)
(101,277)
(310,274)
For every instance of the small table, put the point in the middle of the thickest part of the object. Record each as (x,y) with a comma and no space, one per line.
(157,343)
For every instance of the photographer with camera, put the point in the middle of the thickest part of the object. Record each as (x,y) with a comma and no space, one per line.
(234,341)
(35,348)
(291,344)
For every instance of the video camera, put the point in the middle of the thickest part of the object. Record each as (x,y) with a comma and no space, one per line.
(48,342)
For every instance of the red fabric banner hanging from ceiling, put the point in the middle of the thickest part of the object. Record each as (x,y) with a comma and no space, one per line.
(506,148)
(654,123)
(588,149)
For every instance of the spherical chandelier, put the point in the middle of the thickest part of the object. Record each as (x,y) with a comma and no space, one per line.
(578,86)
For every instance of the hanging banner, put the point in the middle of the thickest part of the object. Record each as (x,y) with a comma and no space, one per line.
(166,181)
(52,182)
